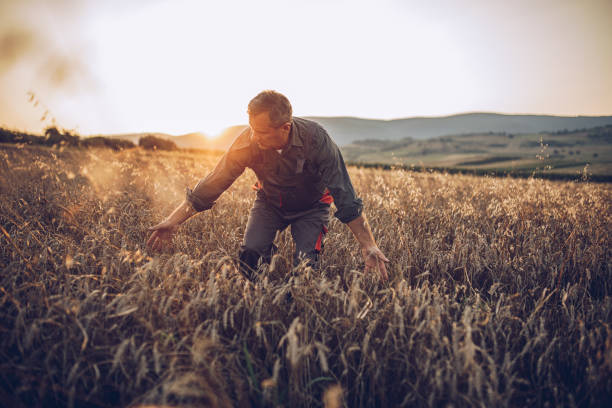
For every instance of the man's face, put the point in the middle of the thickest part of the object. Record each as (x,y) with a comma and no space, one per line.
(265,135)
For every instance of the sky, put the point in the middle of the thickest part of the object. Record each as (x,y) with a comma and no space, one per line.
(181,66)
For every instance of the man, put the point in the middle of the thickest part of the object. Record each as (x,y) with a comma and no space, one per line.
(300,172)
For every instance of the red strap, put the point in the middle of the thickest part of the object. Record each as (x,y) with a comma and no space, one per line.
(320,238)
(326,198)
(318,244)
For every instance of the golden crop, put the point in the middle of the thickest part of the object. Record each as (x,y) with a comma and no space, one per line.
(499,292)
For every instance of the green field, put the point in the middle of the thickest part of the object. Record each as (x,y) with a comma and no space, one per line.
(569,153)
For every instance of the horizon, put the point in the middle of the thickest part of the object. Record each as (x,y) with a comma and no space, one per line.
(216,136)
(213,137)
(181,67)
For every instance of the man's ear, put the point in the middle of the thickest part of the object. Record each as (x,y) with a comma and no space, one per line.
(286,126)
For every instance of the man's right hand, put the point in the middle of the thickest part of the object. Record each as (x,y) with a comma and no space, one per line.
(161,235)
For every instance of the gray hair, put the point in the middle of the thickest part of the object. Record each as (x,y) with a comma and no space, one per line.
(275,103)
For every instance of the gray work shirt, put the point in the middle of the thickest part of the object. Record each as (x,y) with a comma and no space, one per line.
(296,179)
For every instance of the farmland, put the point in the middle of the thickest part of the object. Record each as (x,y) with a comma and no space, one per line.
(499,292)
(567,153)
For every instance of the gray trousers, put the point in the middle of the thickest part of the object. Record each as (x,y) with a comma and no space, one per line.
(308,230)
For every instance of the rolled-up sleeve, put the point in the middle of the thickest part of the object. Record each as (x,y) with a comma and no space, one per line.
(208,189)
(336,177)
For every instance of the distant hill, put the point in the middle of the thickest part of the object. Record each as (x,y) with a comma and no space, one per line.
(346,130)
(194,140)
(585,151)
(134,137)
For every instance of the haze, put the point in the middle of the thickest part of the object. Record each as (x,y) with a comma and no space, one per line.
(183,66)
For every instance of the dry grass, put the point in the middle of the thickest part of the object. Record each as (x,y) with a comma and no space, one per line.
(499,293)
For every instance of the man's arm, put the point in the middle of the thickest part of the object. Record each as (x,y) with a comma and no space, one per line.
(229,168)
(181,214)
(162,233)
(350,207)
(206,192)
(373,256)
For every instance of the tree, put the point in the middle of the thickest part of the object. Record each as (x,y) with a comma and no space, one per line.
(156,143)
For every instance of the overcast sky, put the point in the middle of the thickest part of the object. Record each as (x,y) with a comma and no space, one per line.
(182,66)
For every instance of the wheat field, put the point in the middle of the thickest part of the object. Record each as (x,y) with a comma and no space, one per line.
(499,292)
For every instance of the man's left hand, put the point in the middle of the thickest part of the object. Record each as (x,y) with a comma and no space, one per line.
(375,260)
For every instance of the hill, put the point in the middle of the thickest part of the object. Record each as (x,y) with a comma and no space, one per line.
(194,140)
(557,152)
(134,137)
(583,152)
(346,130)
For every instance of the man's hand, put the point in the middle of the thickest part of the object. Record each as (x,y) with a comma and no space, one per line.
(162,235)
(375,260)
(163,232)
(373,257)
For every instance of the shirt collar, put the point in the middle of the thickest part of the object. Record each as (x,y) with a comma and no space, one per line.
(295,138)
